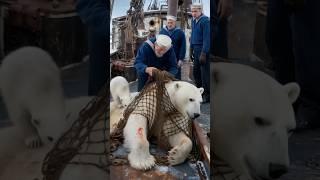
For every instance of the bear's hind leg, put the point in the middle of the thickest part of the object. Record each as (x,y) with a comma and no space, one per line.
(182,146)
(135,134)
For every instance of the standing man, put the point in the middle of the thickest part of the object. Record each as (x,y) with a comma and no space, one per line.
(199,49)
(95,14)
(178,41)
(293,37)
(221,11)
(155,53)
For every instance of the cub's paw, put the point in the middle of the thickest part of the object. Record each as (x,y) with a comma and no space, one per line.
(176,156)
(33,141)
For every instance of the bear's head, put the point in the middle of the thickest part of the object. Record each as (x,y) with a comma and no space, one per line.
(253,119)
(124,101)
(120,91)
(185,97)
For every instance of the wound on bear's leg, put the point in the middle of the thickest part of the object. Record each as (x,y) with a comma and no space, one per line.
(140,132)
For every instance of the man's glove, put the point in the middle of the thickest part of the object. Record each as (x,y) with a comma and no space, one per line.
(180,63)
(203,58)
(191,54)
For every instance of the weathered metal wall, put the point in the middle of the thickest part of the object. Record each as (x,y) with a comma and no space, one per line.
(54,27)
(172,7)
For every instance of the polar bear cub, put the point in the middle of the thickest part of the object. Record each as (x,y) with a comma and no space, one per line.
(186,98)
(253,119)
(32,91)
(120,92)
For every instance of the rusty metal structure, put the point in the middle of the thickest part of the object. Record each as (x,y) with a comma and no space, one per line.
(129,32)
(52,25)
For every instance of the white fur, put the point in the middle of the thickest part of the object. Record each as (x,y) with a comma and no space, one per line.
(240,94)
(119,89)
(12,153)
(31,89)
(186,98)
(116,112)
(84,172)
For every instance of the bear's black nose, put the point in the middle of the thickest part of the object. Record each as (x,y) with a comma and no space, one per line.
(195,115)
(277,170)
(50,138)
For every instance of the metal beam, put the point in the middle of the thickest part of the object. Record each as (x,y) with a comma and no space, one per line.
(172,7)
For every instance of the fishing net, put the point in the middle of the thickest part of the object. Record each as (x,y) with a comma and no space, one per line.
(163,119)
(85,143)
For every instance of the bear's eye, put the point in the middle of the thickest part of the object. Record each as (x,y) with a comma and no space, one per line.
(261,122)
(36,122)
(290,131)
(191,100)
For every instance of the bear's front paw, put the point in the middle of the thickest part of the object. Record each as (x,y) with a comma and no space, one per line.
(141,160)
(33,141)
(176,157)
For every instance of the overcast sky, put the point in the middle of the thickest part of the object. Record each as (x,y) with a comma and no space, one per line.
(120,7)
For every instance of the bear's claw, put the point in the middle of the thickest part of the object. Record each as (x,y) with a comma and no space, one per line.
(141,161)
(175,156)
(33,141)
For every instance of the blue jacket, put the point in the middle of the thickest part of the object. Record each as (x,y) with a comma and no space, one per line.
(200,34)
(178,41)
(146,57)
(95,14)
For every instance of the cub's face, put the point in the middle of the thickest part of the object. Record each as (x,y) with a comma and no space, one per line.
(253,119)
(50,126)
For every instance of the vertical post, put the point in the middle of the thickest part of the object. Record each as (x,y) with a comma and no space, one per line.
(172,7)
(113,36)
(187,4)
(111,7)
(2,9)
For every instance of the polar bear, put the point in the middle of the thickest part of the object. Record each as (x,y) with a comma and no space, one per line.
(32,91)
(252,120)
(116,112)
(186,98)
(122,97)
(33,158)
(120,92)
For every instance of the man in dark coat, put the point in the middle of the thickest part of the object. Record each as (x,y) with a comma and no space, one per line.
(155,53)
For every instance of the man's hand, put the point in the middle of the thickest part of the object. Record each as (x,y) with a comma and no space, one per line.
(225,8)
(191,54)
(180,63)
(149,70)
(202,58)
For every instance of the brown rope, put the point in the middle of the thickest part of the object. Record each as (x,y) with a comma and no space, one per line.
(85,143)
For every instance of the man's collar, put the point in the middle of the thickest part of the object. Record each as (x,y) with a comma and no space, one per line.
(170,29)
(197,19)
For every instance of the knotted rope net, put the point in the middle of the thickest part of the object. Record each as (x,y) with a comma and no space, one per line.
(85,143)
(163,119)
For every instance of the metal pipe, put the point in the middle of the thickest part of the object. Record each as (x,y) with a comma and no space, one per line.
(172,7)
(187,4)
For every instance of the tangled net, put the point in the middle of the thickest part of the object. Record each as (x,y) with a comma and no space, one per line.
(163,119)
(85,143)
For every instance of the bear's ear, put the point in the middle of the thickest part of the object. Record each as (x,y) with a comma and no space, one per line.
(201,90)
(177,85)
(293,91)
